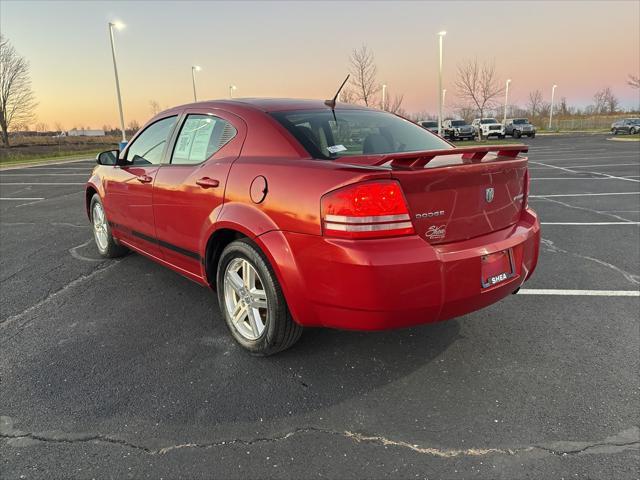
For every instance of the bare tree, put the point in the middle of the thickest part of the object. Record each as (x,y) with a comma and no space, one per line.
(604,101)
(348,95)
(58,126)
(634,81)
(133,127)
(392,105)
(563,107)
(363,72)
(41,127)
(17,102)
(477,84)
(154,107)
(535,102)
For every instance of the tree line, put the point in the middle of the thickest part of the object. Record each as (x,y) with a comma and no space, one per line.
(478,87)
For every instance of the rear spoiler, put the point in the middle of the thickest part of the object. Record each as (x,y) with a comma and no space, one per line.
(414,160)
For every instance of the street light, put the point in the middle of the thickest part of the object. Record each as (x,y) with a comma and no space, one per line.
(553,91)
(441,36)
(506,100)
(194,69)
(231,89)
(444,95)
(118,26)
(384,96)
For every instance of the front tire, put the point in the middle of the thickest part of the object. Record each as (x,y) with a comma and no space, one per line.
(516,134)
(106,244)
(252,301)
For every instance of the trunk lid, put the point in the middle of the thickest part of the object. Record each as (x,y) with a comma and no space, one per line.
(460,193)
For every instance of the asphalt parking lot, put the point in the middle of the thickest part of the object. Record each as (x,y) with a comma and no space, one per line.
(112,369)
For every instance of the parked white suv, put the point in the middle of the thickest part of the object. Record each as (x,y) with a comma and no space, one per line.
(488,127)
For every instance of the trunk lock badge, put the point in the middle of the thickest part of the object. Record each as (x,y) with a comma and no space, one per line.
(489,194)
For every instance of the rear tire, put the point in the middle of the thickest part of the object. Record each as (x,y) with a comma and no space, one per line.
(107,246)
(516,134)
(252,302)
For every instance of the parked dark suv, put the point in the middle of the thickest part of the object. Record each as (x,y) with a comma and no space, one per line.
(517,127)
(628,125)
(458,129)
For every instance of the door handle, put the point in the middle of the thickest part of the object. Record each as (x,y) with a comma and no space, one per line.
(144,178)
(207,182)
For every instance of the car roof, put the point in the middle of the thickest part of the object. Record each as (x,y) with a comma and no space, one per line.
(271,104)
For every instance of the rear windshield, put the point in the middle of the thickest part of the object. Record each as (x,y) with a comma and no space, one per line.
(458,123)
(520,121)
(356,132)
(488,120)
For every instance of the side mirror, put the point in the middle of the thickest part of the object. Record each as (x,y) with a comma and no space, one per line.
(110,157)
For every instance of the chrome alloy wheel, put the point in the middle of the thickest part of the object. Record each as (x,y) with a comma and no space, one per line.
(100,231)
(245,298)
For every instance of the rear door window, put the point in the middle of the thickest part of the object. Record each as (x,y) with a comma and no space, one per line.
(200,137)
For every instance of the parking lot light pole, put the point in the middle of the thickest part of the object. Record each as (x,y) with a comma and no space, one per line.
(553,91)
(117,26)
(506,101)
(194,69)
(444,96)
(440,35)
(231,89)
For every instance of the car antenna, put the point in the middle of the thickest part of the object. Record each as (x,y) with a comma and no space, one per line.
(332,102)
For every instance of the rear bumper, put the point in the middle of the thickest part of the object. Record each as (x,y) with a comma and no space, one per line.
(397,282)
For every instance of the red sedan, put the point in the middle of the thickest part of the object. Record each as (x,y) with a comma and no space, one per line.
(298,214)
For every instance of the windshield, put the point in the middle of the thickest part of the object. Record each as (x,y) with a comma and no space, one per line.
(488,120)
(520,121)
(458,123)
(356,132)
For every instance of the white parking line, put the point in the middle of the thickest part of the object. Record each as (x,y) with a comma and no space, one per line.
(578,194)
(584,178)
(22,198)
(589,293)
(588,166)
(39,174)
(42,183)
(590,223)
(570,170)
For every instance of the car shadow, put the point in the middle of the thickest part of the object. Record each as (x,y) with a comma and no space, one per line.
(154,349)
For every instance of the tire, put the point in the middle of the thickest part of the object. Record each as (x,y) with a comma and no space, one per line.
(614,131)
(108,246)
(633,131)
(262,330)
(533,135)
(516,134)
(500,137)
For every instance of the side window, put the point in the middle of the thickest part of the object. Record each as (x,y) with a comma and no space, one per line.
(200,137)
(148,147)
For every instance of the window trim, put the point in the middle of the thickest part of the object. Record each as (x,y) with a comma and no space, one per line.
(123,160)
(176,134)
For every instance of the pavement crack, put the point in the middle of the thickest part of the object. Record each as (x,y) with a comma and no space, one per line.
(81,279)
(551,247)
(586,209)
(624,440)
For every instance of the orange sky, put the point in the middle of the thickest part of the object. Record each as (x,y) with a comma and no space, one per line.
(301,49)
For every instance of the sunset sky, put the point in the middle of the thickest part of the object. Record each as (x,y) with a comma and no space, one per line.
(301,49)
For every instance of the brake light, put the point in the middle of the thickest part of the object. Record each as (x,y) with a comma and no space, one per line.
(366,210)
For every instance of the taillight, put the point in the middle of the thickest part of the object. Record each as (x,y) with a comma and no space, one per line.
(366,210)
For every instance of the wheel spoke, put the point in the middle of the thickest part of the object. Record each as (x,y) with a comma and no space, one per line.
(239,313)
(255,321)
(248,275)
(258,298)
(235,281)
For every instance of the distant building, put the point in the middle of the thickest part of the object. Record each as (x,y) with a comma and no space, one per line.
(85,133)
